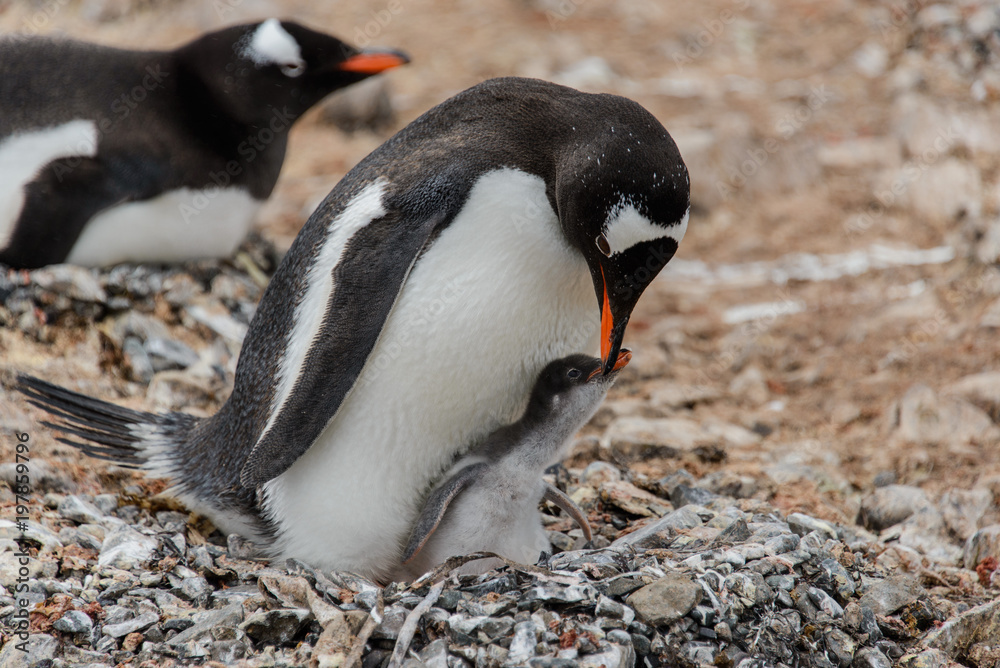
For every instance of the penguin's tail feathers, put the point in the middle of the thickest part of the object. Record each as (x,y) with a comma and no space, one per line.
(129,438)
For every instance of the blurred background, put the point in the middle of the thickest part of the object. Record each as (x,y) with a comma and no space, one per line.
(829,320)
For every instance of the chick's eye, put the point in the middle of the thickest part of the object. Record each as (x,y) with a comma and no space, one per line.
(293,69)
(603,245)
(573,374)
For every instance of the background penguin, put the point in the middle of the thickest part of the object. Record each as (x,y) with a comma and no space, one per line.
(109,155)
(489,499)
(412,315)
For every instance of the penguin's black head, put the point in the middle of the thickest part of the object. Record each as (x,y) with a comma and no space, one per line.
(623,198)
(259,68)
(576,380)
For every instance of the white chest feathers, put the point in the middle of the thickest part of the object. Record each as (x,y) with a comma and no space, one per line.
(497,296)
(178,225)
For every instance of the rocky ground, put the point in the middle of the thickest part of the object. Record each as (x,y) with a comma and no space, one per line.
(801,466)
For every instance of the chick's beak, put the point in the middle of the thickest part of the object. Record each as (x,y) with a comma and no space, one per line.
(624,357)
(373,62)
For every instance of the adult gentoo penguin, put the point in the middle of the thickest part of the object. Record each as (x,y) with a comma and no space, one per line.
(412,315)
(109,155)
(488,501)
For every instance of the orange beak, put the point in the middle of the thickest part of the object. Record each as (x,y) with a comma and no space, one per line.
(373,62)
(607,324)
(624,357)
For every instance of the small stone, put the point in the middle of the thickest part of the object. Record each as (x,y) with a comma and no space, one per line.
(74,621)
(137,623)
(131,642)
(869,657)
(497,627)
(106,503)
(600,472)
(660,533)
(228,652)
(802,524)
(275,627)
(607,607)
(891,594)
(76,509)
(980,389)
(835,579)
(666,600)
(962,509)
(683,495)
(977,625)
(41,651)
(841,646)
(126,548)
(138,360)
(781,544)
(890,505)
(925,418)
(981,545)
(75,282)
(174,390)
(633,500)
(615,656)
(522,645)
(825,603)
(929,658)
(949,190)
(167,353)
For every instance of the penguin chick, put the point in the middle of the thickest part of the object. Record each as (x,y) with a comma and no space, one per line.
(489,499)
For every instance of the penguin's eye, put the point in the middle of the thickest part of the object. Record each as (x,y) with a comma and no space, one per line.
(293,69)
(603,245)
(573,374)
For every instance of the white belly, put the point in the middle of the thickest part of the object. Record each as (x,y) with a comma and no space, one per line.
(24,154)
(494,299)
(179,225)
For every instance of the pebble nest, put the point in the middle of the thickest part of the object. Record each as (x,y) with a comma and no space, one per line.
(681,571)
(727,583)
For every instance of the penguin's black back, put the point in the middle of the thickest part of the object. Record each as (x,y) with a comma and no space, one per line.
(147,106)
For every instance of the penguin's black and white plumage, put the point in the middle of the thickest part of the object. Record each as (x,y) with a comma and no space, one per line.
(488,501)
(108,155)
(412,315)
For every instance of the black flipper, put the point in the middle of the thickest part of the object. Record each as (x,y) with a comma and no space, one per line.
(375,263)
(436,506)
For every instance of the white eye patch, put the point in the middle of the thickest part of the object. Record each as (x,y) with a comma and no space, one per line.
(626,227)
(271,44)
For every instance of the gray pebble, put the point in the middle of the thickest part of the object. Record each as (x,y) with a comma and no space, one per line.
(74,621)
